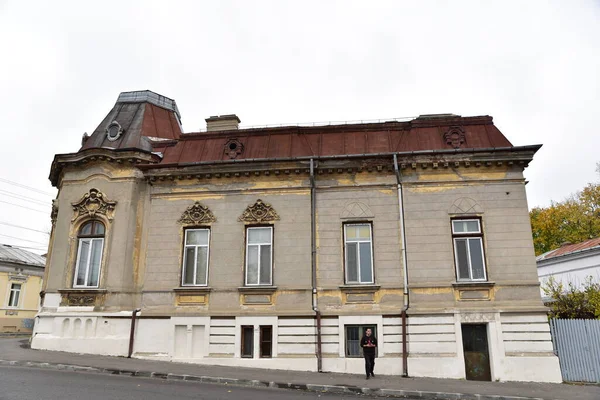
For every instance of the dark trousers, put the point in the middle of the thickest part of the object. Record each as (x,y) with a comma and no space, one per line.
(369,363)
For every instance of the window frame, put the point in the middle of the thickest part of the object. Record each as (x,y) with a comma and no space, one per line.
(91,238)
(466,236)
(346,280)
(11,297)
(248,228)
(185,246)
(361,332)
(262,341)
(242,337)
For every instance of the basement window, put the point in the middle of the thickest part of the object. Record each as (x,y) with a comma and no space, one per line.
(247,341)
(266,341)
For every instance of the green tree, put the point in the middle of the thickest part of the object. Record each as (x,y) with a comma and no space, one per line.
(570,302)
(574,220)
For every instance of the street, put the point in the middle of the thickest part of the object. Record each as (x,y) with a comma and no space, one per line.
(18,383)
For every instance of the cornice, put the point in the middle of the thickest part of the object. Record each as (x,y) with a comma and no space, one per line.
(132,157)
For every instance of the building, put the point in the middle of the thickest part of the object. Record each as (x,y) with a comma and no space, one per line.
(571,263)
(276,247)
(21,275)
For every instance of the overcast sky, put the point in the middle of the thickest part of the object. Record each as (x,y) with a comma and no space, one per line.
(533,65)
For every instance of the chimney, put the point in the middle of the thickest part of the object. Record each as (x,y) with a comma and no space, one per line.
(222,123)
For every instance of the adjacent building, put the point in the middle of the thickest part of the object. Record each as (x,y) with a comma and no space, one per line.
(571,263)
(21,273)
(277,247)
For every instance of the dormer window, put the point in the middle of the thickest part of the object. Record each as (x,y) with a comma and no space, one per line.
(114,131)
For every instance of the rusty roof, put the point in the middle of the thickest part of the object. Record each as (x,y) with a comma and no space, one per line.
(145,127)
(568,249)
(334,140)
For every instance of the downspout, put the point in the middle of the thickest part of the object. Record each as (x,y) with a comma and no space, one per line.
(404,267)
(313,258)
(132,331)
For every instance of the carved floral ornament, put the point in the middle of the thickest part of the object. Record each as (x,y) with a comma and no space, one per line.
(197,214)
(455,137)
(92,204)
(259,212)
(54,212)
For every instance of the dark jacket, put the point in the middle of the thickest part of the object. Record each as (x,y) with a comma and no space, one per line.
(365,340)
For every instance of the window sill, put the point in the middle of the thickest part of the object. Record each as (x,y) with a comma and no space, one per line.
(369,287)
(473,284)
(257,289)
(192,289)
(82,290)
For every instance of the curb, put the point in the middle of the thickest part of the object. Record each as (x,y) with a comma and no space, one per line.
(402,394)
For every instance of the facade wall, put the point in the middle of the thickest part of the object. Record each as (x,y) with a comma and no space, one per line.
(144,253)
(573,269)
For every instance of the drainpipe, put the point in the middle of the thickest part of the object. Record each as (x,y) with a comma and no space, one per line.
(404,267)
(132,331)
(313,239)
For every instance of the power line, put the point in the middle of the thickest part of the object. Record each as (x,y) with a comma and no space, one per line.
(24,240)
(25,187)
(26,247)
(21,197)
(22,227)
(18,205)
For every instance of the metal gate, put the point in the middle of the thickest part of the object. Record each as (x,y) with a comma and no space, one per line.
(577,344)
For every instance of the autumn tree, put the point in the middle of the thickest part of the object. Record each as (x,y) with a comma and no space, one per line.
(574,220)
(570,301)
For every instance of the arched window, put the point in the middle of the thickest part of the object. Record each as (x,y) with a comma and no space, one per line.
(89,254)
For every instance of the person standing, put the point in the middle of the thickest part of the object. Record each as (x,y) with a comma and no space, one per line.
(369,344)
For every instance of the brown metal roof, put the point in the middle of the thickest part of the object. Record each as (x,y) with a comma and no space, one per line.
(332,140)
(570,249)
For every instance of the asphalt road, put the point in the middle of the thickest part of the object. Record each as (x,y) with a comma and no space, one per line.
(17,383)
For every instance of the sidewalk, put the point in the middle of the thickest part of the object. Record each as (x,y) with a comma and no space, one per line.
(16,351)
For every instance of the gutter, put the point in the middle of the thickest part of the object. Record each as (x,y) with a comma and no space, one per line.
(404,268)
(132,331)
(513,149)
(313,258)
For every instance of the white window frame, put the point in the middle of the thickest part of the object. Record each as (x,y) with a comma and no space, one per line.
(185,247)
(89,260)
(248,229)
(467,236)
(18,294)
(370,241)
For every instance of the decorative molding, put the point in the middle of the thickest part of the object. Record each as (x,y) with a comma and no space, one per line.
(476,317)
(234,148)
(81,298)
(114,131)
(92,204)
(455,137)
(54,212)
(258,213)
(356,210)
(197,214)
(465,205)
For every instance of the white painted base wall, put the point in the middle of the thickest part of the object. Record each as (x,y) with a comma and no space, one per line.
(520,347)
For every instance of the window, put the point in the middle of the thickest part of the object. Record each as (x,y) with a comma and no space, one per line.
(15,293)
(266,341)
(259,255)
(247,341)
(89,254)
(353,335)
(358,253)
(195,257)
(468,250)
